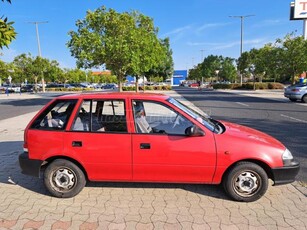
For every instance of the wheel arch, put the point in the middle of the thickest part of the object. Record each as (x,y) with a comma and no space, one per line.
(262,164)
(53,158)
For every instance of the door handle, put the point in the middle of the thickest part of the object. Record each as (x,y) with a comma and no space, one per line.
(77,144)
(144,146)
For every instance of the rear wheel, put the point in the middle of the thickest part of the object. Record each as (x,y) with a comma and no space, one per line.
(64,179)
(246,182)
(304,99)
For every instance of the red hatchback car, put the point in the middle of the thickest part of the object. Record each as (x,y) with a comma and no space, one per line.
(141,137)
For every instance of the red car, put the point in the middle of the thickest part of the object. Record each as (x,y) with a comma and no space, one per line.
(141,137)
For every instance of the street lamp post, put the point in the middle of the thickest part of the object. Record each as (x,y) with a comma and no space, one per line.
(241,43)
(39,48)
(217,74)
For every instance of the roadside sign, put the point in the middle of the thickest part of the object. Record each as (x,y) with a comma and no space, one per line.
(300,9)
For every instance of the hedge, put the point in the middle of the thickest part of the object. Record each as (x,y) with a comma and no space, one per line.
(151,87)
(125,88)
(250,86)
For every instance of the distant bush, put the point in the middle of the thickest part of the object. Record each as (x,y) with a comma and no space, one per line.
(250,86)
(275,85)
(62,89)
(148,87)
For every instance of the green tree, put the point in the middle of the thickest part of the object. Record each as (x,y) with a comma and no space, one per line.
(210,65)
(124,42)
(166,67)
(228,70)
(30,68)
(74,75)
(294,54)
(7,31)
(195,73)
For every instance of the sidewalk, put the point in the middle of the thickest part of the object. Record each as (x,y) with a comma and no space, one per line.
(274,94)
(25,203)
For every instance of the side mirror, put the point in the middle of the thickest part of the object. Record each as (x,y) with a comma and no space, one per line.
(194,131)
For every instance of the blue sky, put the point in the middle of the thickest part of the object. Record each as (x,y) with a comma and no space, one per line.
(196,28)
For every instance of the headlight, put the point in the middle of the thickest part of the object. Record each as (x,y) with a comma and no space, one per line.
(287,155)
(287,158)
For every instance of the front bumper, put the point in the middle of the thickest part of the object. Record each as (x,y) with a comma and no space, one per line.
(286,174)
(29,166)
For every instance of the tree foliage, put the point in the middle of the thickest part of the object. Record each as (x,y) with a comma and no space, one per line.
(7,31)
(126,42)
(281,61)
(214,67)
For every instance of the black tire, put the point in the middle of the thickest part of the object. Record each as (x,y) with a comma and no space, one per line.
(292,99)
(246,182)
(304,99)
(64,179)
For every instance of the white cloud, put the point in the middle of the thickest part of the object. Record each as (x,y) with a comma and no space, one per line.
(268,23)
(177,31)
(211,25)
(218,46)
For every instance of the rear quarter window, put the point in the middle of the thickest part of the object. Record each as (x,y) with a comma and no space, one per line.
(55,116)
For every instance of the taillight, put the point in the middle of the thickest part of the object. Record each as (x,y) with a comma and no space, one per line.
(25,143)
(295,90)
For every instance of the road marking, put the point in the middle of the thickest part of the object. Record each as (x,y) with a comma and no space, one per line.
(240,103)
(293,118)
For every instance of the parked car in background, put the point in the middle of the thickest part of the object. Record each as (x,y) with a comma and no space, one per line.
(110,86)
(27,88)
(296,92)
(146,137)
(10,88)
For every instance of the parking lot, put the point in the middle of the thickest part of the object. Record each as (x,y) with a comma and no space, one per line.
(25,203)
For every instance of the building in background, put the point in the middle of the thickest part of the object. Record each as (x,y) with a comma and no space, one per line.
(178,77)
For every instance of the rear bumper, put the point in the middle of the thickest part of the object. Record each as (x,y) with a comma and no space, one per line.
(29,166)
(293,96)
(286,174)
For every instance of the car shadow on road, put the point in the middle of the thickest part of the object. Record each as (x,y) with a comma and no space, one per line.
(215,191)
(10,172)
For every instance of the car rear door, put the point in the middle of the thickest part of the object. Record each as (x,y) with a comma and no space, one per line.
(99,139)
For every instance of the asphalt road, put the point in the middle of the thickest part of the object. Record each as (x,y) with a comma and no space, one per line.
(284,120)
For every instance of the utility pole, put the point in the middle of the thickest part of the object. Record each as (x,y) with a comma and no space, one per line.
(242,17)
(39,47)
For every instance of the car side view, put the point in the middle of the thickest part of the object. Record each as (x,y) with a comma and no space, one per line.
(146,137)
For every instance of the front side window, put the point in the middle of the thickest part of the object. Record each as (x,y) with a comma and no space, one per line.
(55,116)
(101,116)
(153,117)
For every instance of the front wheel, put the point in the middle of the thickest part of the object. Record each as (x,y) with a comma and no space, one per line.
(64,179)
(246,182)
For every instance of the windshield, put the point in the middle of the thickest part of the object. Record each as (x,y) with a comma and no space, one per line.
(203,119)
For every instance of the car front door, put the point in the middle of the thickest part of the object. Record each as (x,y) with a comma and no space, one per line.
(164,152)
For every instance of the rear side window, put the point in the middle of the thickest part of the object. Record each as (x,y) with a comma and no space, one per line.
(101,116)
(55,116)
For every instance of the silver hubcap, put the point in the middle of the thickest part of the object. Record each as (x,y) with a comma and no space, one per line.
(246,183)
(64,179)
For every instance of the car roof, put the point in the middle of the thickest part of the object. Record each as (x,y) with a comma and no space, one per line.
(113,95)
